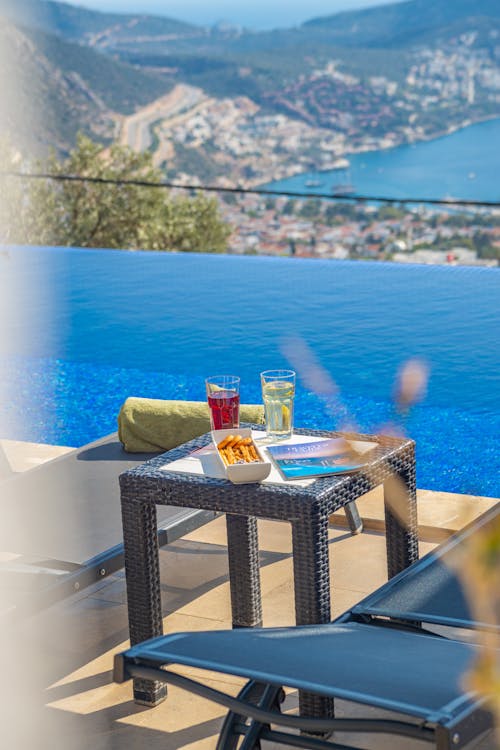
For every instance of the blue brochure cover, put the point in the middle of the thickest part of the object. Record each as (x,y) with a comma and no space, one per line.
(320,458)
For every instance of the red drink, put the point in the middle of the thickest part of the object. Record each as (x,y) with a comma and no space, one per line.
(224,409)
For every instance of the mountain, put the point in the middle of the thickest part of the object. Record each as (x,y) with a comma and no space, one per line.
(395,24)
(376,41)
(81,24)
(400,24)
(363,79)
(66,87)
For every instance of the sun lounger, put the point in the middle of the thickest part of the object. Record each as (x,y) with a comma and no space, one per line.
(61,524)
(363,657)
(430,592)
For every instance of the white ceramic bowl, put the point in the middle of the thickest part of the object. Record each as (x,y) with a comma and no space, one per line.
(241,473)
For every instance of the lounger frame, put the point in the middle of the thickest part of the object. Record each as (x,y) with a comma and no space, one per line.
(456,722)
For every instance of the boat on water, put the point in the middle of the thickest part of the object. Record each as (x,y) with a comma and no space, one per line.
(342,177)
(340,189)
(313,183)
(339,165)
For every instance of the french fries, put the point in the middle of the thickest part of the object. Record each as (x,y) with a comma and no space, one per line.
(236,449)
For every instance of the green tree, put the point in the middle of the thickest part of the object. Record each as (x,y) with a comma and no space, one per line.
(310,209)
(289,207)
(339,213)
(92,214)
(386,213)
(481,241)
(192,225)
(229,198)
(332,216)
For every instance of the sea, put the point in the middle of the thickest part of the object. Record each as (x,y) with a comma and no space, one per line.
(462,165)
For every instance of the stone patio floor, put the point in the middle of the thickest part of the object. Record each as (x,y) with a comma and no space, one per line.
(57,689)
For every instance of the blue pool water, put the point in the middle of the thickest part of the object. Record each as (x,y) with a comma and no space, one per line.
(98,326)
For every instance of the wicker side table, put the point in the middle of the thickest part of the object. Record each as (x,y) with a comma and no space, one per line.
(306,508)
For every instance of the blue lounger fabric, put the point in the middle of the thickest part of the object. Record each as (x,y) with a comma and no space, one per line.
(379,666)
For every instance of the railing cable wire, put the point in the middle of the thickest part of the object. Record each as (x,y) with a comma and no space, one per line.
(253,191)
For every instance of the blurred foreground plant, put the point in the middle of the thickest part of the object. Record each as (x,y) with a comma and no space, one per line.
(479,568)
(410,386)
(480,572)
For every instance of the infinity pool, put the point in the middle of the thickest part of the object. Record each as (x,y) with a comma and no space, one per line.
(92,327)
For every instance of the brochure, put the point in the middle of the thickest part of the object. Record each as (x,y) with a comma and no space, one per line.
(321,457)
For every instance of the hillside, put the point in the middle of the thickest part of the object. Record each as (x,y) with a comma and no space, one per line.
(81,24)
(359,80)
(375,41)
(401,24)
(379,41)
(117,85)
(398,24)
(66,87)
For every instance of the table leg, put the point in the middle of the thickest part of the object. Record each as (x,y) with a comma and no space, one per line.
(244,574)
(400,506)
(142,570)
(353,518)
(311,573)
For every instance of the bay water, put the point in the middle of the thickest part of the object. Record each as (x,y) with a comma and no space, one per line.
(462,165)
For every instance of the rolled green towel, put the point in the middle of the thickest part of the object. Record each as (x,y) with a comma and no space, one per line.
(148,424)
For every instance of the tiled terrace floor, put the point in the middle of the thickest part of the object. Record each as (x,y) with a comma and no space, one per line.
(60,693)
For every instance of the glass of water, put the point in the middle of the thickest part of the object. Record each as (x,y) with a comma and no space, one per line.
(278,392)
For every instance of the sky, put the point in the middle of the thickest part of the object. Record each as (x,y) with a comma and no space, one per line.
(253,14)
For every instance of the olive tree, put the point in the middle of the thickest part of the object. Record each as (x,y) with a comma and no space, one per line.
(86,213)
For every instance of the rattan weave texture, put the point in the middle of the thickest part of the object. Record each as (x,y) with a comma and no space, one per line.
(307,509)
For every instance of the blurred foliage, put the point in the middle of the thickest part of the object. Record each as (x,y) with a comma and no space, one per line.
(87,214)
(478,565)
(481,574)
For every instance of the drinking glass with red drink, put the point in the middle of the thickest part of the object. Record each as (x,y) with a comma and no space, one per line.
(223,394)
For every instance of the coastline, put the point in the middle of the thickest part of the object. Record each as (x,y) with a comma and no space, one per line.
(429,139)
(460,164)
(369,150)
